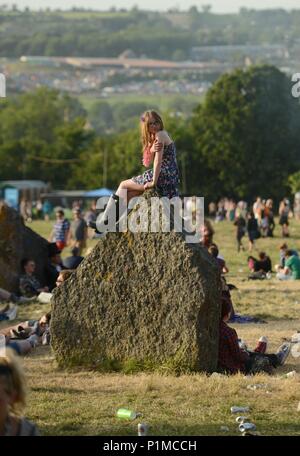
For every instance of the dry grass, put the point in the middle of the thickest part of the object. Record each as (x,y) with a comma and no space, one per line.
(85,402)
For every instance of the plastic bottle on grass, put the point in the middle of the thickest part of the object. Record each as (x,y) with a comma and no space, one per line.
(126,414)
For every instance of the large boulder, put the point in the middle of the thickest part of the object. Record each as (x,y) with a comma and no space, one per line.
(140,300)
(17,242)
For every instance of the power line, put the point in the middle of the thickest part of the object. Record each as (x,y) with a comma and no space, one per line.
(55,160)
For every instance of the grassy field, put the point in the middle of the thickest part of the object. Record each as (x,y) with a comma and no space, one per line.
(84,402)
(162,101)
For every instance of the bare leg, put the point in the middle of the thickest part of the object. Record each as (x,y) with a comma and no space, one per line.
(126,191)
(132,194)
(132,188)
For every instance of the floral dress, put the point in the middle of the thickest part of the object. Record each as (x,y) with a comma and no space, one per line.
(168,180)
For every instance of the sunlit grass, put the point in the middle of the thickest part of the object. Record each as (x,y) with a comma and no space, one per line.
(65,402)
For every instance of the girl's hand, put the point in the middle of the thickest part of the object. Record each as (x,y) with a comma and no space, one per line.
(149,185)
(158,146)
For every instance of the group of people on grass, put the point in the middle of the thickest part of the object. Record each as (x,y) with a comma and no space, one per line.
(288,267)
(261,210)
(258,221)
(159,149)
(234,356)
(27,335)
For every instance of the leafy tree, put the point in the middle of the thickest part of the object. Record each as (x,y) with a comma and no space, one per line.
(246,133)
(126,115)
(41,136)
(294,182)
(101,116)
(108,161)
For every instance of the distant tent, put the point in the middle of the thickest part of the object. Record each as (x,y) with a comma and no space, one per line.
(97,193)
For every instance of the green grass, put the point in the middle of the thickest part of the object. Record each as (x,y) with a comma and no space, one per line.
(84,402)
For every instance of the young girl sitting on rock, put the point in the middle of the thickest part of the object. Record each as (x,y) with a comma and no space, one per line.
(159,149)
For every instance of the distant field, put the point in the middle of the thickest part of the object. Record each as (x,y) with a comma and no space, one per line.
(162,101)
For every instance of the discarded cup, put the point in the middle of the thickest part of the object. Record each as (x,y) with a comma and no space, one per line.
(244,427)
(143,429)
(236,409)
(224,428)
(295,337)
(298,408)
(241,419)
(291,374)
(126,414)
(216,375)
(255,387)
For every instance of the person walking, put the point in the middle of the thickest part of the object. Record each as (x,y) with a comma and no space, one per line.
(78,231)
(240,224)
(60,232)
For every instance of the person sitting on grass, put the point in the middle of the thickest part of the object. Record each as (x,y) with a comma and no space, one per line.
(291,270)
(233,359)
(261,267)
(28,328)
(73,261)
(207,234)
(45,298)
(12,399)
(11,297)
(282,251)
(214,251)
(29,285)
(54,266)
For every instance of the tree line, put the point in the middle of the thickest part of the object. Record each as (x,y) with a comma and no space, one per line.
(167,35)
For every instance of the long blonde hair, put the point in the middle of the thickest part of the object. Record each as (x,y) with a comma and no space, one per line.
(146,138)
(11,373)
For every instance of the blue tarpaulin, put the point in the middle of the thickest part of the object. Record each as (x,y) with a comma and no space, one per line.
(97,193)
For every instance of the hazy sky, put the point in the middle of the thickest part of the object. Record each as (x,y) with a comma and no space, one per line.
(217,5)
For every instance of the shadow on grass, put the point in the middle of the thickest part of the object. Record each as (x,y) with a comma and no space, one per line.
(56,389)
(165,429)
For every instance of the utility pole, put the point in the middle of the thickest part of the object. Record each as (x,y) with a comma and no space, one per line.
(184,189)
(104,178)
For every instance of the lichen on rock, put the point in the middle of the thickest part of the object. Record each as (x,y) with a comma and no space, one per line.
(141,299)
(17,242)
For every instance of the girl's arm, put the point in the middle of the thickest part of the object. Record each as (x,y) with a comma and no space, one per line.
(158,153)
(157,162)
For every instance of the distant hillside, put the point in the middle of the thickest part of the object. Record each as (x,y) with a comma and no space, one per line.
(155,35)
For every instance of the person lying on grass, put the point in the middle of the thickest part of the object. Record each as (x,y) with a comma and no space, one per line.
(28,328)
(234,359)
(24,337)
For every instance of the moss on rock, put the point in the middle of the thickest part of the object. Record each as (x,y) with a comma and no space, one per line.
(17,242)
(140,301)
